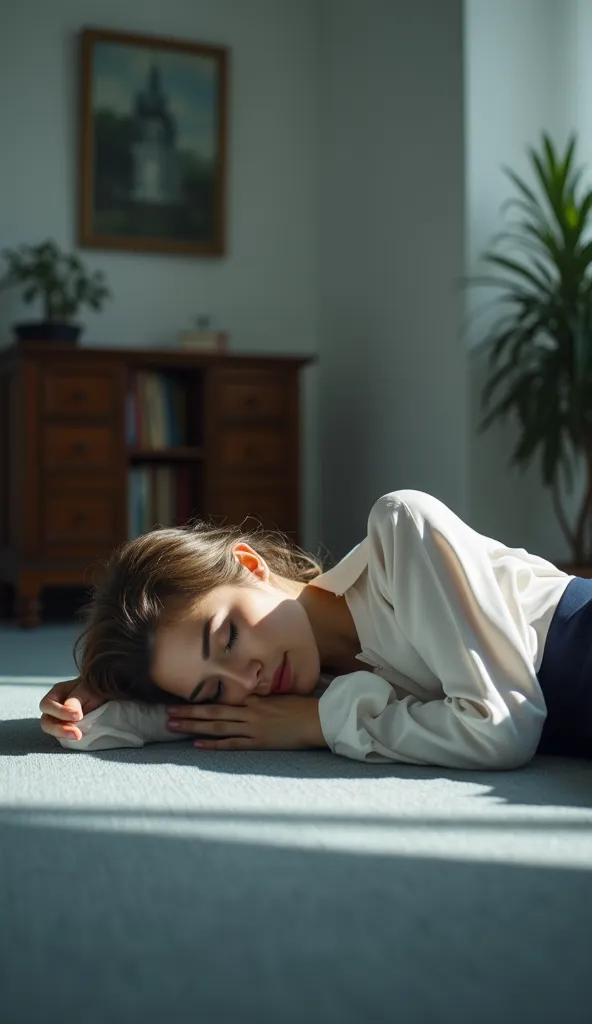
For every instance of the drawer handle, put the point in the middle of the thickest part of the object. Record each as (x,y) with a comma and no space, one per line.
(79,517)
(80,447)
(78,396)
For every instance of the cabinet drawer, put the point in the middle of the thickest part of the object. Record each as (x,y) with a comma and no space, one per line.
(78,447)
(242,397)
(73,521)
(252,449)
(72,392)
(270,505)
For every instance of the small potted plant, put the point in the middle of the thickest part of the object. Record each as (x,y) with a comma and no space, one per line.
(63,284)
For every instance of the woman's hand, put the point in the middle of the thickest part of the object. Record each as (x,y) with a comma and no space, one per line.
(282,722)
(65,704)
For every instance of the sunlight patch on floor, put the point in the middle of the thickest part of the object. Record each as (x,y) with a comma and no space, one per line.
(569,848)
(45,681)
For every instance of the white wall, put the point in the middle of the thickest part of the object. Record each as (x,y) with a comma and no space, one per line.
(393,362)
(517,55)
(577,37)
(264,291)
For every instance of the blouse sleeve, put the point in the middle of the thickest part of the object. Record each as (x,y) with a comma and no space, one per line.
(120,723)
(435,574)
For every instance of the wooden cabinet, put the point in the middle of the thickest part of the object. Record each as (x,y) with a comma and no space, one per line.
(67,458)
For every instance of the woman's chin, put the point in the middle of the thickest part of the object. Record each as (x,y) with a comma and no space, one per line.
(310,687)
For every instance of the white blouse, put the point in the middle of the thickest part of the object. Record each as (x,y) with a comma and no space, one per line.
(452,627)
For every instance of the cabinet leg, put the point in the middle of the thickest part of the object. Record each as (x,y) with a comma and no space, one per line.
(28,609)
(6,601)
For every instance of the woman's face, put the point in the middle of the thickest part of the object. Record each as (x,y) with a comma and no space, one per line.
(237,641)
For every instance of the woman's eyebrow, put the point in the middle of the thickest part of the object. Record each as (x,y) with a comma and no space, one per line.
(205,644)
(205,653)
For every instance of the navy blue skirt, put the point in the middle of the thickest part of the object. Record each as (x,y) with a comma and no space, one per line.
(565,675)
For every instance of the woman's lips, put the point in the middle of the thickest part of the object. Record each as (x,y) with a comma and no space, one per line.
(282,677)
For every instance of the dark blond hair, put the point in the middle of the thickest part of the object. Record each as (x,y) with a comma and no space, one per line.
(147,576)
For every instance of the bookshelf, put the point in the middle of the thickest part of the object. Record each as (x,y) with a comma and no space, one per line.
(101,444)
(164,446)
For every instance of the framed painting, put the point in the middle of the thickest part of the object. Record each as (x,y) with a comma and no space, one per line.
(152,144)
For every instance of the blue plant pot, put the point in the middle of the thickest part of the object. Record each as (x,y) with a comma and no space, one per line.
(48,330)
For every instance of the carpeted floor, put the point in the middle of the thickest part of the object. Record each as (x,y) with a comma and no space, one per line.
(168,884)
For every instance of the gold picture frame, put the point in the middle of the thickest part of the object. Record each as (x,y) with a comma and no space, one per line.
(153,148)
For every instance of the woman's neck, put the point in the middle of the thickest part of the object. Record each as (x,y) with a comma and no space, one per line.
(333,627)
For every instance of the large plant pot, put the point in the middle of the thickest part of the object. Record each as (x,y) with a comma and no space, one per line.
(51,331)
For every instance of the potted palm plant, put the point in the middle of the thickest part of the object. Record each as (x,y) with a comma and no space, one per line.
(540,350)
(63,284)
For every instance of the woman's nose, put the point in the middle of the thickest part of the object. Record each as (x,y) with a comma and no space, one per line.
(248,679)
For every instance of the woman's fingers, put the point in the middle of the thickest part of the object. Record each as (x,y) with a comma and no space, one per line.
(53,727)
(65,705)
(73,706)
(209,730)
(70,700)
(64,711)
(88,699)
(55,697)
(210,720)
(218,722)
(212,712)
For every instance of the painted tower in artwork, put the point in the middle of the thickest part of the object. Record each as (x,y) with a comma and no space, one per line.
(156,165)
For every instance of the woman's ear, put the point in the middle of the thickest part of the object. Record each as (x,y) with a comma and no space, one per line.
(249,559)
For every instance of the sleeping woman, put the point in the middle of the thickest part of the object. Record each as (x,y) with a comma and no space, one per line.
(427,644)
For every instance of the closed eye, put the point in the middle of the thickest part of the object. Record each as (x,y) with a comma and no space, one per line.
(231,642)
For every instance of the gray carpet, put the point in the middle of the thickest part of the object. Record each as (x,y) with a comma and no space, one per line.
(168,884)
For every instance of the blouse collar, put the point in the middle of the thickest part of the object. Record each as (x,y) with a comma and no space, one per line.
(346,572)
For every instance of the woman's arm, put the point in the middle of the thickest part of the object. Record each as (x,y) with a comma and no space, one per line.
(435,574)
(82,720)
(122,723)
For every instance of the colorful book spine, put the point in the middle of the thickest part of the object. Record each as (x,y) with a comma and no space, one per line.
(159,496)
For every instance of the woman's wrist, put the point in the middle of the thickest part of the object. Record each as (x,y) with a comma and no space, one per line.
(315,733)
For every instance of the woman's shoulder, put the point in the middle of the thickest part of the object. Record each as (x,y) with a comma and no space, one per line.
(417,504)
(409,516)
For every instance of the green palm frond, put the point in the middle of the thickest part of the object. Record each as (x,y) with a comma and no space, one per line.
(540,350)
